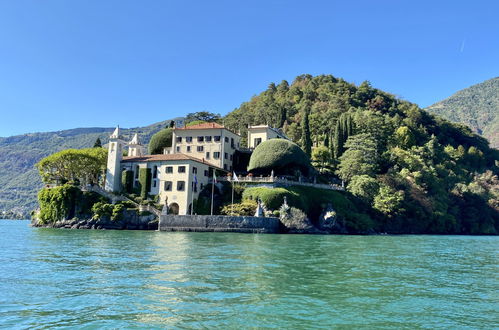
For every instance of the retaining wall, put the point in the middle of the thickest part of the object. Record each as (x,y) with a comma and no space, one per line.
(218,223)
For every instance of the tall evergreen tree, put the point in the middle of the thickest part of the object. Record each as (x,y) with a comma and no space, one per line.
(343,129)
(98,143)
(305,126)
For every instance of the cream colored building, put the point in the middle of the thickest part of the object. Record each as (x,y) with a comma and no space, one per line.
(176,178)
(261,133)
(210,142)
(196,152)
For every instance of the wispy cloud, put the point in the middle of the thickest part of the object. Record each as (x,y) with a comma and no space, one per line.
(462,45)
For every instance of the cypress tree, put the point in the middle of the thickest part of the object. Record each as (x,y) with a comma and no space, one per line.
(305,126)
(98,143)
(344,128)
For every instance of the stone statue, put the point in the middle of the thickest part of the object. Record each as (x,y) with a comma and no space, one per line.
(164,211)
(259,210)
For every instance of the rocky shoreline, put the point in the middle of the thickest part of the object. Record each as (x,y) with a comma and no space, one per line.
(146,222)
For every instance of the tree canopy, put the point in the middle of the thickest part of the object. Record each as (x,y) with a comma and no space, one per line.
(70,165)
(160,140)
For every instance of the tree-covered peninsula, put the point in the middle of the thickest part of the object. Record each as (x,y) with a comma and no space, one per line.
(405,170)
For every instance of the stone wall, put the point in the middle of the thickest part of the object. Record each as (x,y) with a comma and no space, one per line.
(218,223)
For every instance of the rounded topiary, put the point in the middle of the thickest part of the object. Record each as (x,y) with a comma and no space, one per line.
(280,155)
(160,140)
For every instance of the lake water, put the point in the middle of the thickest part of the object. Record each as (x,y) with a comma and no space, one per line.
(116,279)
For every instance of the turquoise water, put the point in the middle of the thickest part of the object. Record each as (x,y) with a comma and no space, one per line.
(117,279)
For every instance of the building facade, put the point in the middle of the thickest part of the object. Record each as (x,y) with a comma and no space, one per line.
(179,174)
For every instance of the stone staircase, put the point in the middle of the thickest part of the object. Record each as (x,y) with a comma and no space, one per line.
(114,198)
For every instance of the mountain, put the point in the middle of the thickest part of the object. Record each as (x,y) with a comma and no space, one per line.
(476,106)
(19,180)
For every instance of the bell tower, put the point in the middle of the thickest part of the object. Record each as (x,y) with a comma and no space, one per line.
(114,157)
(135,148)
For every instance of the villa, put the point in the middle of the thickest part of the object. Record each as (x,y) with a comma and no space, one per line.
(179,174)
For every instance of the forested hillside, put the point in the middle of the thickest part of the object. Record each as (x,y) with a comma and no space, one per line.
(408,170)
(476,106)
(19,180)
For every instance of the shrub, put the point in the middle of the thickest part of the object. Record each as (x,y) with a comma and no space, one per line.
(117,213)
(273,197)
(144,182)
(245,208)
(127,181)
(160,140)
(58,203)
(101,210)
(282,156)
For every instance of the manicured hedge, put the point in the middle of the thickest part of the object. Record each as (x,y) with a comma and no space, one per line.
(274,197)
(280,155)
(127,181)
(160,140)
(144,182)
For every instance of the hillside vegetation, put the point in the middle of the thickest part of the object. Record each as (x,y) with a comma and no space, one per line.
(405,169)
(476,106)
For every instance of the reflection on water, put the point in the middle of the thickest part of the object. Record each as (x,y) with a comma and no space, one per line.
(51,277)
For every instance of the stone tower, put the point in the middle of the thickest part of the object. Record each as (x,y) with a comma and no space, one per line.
(135,148)
(114,156)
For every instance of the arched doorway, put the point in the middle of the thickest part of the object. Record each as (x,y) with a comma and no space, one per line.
(173,208)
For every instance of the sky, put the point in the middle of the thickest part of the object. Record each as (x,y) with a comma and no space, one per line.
(102,63)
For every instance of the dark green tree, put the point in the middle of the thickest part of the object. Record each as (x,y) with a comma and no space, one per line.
(98,143)
(305,126)
(344,128)
(160,140)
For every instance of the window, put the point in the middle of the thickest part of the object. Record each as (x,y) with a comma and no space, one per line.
(206,172)
(216,155)
(169,169)
(194,187)
(226,155)
(207,138)
(168,186)
(200,138)
(207,155)
(195,170)
(178,149)
(137,172)
(202,186)
(154,183)
(230,167)
(257,141)
(232,142)
(217,138)
(188,139)
(231,157)
(155,173)
(188,148)
(179,139)
(180,185)
(181,169)
(225,167)
(200,148)
(226,140)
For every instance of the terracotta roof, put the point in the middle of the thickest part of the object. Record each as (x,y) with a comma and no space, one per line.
(203,126)
(165,157)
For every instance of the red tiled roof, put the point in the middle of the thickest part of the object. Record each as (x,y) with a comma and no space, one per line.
(203,126)
(165,157)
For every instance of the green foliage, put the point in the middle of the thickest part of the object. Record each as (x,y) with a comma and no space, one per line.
(98,143)
(404,138)
(72,165)
(57,203)
(388,201)
(202,116)
(102,209)
(127,181)
(360,158)
(160,140)
(364,187)
(245,208)
(305,135)
(282,156)
(273,197)
(321,157)
(144,181)
(117,213)
(343,129)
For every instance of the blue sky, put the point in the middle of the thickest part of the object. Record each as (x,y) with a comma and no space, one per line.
(82,63)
